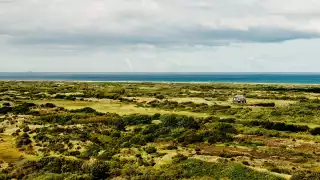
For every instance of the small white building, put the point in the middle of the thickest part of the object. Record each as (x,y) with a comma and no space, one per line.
(239,99)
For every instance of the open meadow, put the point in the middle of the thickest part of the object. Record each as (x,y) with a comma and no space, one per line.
(83,130)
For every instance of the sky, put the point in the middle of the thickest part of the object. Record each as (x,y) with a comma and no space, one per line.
(160,35)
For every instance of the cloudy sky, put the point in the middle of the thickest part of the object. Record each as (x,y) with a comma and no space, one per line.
(160,35)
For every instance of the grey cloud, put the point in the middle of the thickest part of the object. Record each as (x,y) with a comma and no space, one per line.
(179,37)
(159,23)
(259,35)
(159,35)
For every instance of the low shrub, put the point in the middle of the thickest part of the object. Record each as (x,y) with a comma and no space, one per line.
(279,126)
(178,158)
(265,104)
(302,175)
(315,131)
(150,149)
(23,140)
(48,105)
(84,110)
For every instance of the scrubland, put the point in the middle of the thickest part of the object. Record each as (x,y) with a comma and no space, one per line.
(82,130)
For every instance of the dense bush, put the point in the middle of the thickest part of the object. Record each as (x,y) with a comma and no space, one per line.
(225,128)
(6,104)
(279,126)
(54,165)
(99,170)
(60,96)
(2,129)
(190,137)
(192,169)
(171,147)
(23,108)
(84,110)
(23,140)
(150,129)
(228,120)
(173,120)
(56,118)
(315,131)
(71,98)
(135,119)
(150,149)
(218,136)
(5,110)
(265,104)
(188,106)
(26,129)
(48,105)
(108,153)
(178,158)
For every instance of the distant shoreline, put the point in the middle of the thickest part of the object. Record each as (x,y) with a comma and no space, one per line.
(164,82)
(204,78)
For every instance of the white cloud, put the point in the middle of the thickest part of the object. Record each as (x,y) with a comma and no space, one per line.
(123,21)
(159,35)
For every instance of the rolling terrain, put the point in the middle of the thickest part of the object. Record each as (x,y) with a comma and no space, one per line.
(82,130)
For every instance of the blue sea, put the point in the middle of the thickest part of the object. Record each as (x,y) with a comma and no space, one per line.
(286,78)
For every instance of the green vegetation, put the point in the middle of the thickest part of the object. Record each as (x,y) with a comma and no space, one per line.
(69,130)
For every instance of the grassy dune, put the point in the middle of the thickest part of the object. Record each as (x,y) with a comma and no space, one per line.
(9,153)
(158,131)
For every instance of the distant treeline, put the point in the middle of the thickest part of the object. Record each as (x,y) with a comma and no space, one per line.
(280,126)
(294,89)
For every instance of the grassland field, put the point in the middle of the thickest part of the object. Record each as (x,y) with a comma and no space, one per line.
(82,130)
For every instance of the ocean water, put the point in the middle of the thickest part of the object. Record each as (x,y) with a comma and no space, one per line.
(287,78)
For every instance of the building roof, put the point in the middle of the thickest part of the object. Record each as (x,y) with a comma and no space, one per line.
(240,96)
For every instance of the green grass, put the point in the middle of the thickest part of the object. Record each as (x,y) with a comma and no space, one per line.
(193,99)
(253,145)
(9,153)
(114,107)
(221,170)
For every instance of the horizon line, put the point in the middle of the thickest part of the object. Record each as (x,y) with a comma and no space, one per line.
(162,72)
